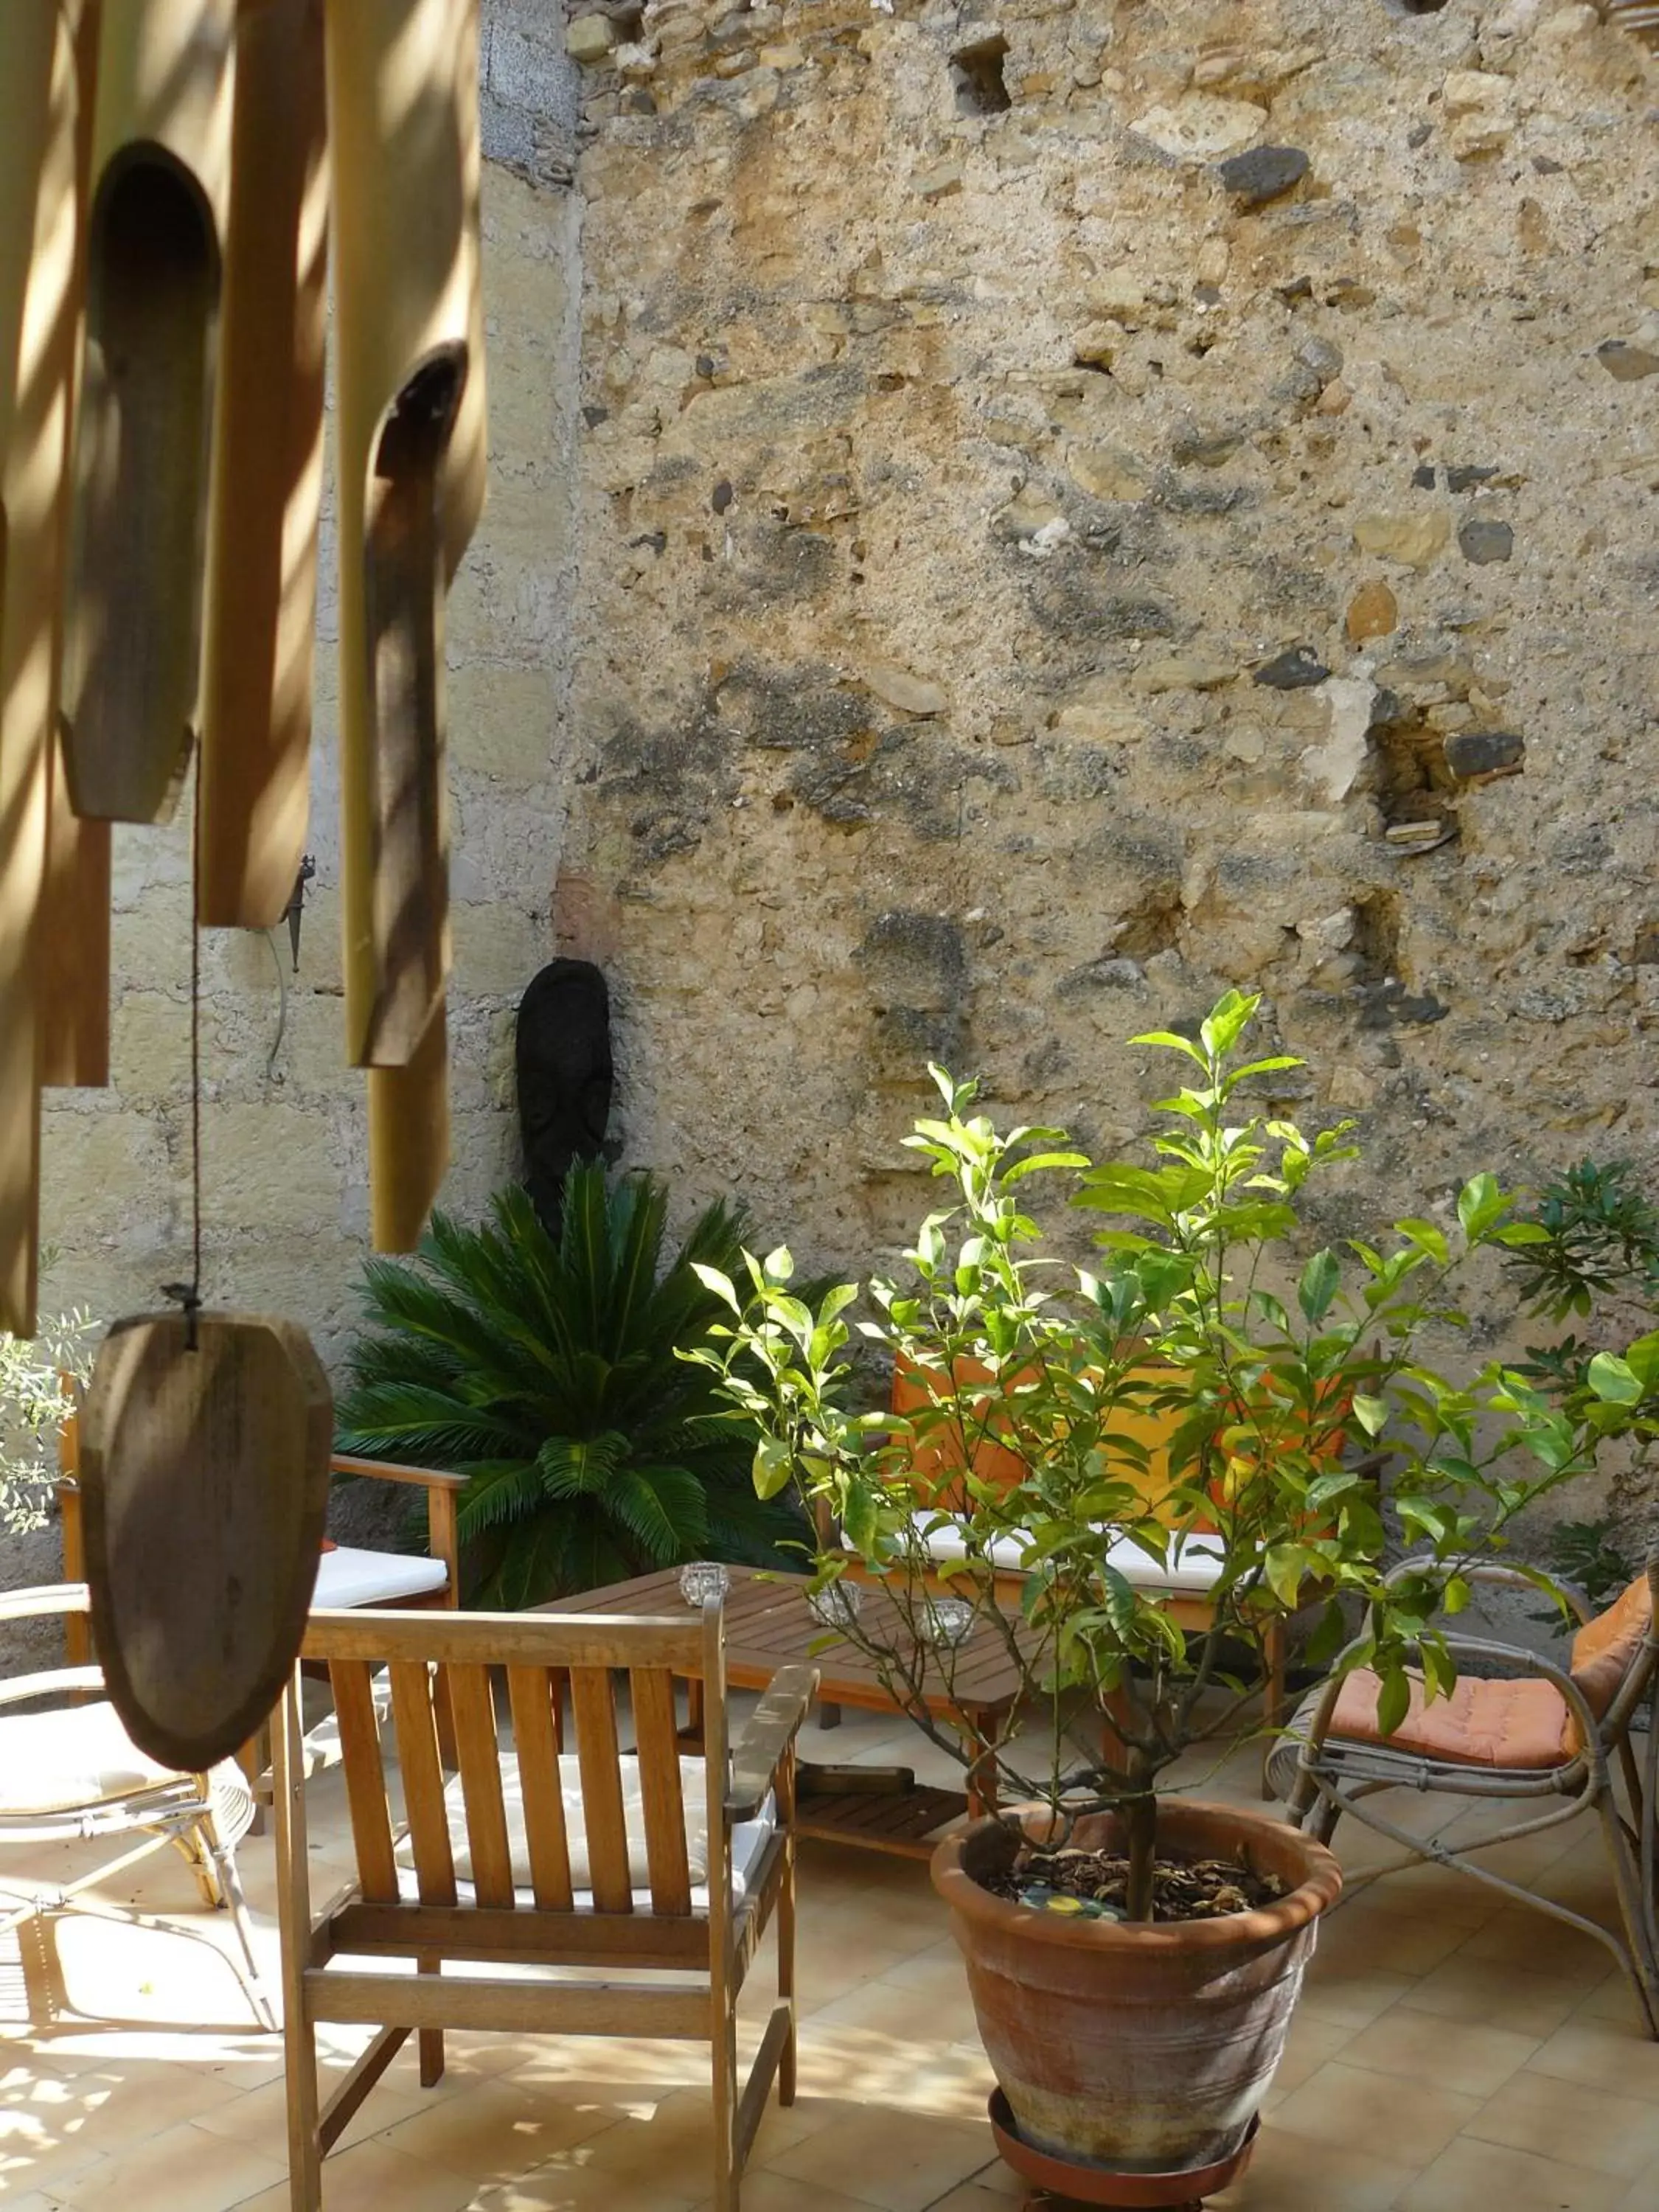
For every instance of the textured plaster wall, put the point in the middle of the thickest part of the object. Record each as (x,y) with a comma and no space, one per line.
(284,1119)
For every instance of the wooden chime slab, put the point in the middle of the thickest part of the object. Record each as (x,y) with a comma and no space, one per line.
(40,183)
(267,475)
(161,174)
(204,1477)
(407,1140)
(405,138)
(73,1006)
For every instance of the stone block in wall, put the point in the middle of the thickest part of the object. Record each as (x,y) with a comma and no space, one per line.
(264,1169)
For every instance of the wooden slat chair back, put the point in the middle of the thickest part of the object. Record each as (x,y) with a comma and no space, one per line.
(625,1865)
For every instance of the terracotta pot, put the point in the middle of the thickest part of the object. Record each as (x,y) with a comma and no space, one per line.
(1138,2049)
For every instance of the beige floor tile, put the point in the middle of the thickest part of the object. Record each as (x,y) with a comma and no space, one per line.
(1615,2000)
(369,2177)
(1480,1989)
(183,2169)
(259,2119)
(1542,2114)
(1360,2110)
(901,2162)
(1311,2042)
(1468,2056)
(889,2006)
(1399,1943)
(563,2186)
(764,2192)
(672,2137)
(64,2121)
(1290,2173)
(496,2132)
(1538,1945)
(974,2197)
(1439,1890)
(1350,1998)
(1471,2175)
(1602,2056)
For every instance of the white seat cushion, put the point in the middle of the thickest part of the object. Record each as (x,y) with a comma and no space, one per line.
(348,1578)
(749,1838)
(78,1755)
(1194,1565)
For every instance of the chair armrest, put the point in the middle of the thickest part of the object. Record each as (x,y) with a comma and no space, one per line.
(57,1681)
(386,1470)
(772,1727)
(45,1599)
(1491,1570)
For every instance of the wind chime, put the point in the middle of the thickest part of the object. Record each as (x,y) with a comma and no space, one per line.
(172,173)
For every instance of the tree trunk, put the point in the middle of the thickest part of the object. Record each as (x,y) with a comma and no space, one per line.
(1139,1817)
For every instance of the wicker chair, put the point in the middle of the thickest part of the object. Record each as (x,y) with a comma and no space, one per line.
(69,1773)
(1539,1735)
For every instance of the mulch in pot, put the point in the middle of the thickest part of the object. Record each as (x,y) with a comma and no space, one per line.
(1091,1885)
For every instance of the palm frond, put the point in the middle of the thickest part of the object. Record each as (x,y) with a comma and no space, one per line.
(548,1373)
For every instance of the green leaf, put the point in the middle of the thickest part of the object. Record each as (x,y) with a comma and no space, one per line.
(1227,1021)
(774,1464)
(1479,1204)
(1318,1286)
(1612,1380)
(1371,1414)
(779,1264)
(1172,1042)
(1394,1700)
(1427,1238)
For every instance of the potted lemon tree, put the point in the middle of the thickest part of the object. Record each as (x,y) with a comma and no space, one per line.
(1194,1412)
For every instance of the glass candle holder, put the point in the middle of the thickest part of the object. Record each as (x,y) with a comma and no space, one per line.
(946,1620)
(837,1606)
(702,1579)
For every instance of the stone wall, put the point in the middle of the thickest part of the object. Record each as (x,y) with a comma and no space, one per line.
(1082,506)
(285,1194)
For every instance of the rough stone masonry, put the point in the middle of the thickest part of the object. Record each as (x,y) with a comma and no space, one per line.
(1085,505)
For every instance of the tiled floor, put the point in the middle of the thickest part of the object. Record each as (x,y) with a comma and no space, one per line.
(1450,2054)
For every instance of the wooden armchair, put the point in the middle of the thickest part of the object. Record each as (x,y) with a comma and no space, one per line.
(1546,1738)
(633,1872)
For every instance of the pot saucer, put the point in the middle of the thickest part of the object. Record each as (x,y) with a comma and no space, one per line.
(1062,2184)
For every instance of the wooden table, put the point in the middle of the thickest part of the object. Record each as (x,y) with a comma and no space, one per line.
(768,1625)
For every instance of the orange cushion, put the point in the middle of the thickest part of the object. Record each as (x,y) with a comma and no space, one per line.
(1603,1649)
(329,1544)
(1524,1723)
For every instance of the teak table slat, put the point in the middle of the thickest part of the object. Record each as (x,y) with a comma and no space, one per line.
(768,1625)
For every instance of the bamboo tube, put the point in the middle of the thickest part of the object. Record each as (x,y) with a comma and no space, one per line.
(74,946)
(159,202)
(407,1140)
(38,191)
(403,121)
(267,474)
(74,941)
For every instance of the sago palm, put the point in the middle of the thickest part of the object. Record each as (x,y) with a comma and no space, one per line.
(549,1373)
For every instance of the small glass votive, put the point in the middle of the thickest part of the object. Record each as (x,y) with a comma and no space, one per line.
(946,1620)
(702,1579)
(836,1606)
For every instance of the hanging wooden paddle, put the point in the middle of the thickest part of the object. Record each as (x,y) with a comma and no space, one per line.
(204,1480)
(160,202)
(38,191)
(267,474)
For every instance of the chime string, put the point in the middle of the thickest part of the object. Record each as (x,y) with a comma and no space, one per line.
(189,1295)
